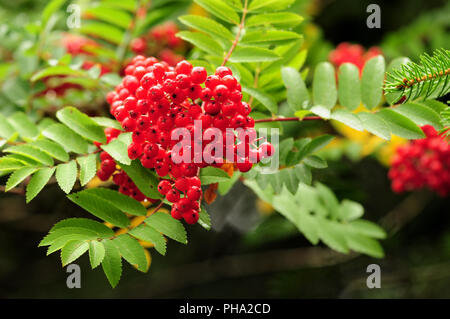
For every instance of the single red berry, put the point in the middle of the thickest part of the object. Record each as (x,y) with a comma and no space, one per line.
(164,187)
(198,75)
(173,195)
(194,193)
(182,184)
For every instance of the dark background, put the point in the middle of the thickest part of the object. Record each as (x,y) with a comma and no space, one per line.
(230,261)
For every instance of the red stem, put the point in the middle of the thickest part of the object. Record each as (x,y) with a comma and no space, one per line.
(238,34)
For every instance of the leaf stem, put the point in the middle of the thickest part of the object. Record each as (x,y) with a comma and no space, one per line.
(286,119)
(238,34)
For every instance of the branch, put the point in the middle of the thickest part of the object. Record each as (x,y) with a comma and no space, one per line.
(238,34)
(286,119)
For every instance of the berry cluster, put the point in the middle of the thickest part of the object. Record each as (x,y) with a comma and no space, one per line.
(352,53)
(160,41)
(422,163)
(155,100)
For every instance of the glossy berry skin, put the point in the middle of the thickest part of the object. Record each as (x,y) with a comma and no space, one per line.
(152,102)
(423,163)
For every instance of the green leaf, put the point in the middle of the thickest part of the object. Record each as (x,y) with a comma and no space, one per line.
(88,168)
(276,19)
(30,152)
(367,228)
(103,31)
(364,245)
(400,125)
(107,122)
(332,235)
(211,175)
(348,119)
(204,219)
(23,125)
(100,208)
(114,16)
(253,54)
(375,125)
(315,161)
(38,181)
(10,164)
(96,253)
(167,225)
(372,82)
(258,36)
(316,144)
(150,234)
(18,176)
(202,41)
(73,250)
(145,180)
(270,5)
(130,249)
(324,86)
(66,175)
(112,263)
(350,210)
(49,10)
(64,136)
(419,114)
(349,90)
(220,9)
(297,94)
(6,129)
(118,150)
(262,97)
(98,229)
(207,25)
(57,70)
(125,203)
(81,123)
(51,148)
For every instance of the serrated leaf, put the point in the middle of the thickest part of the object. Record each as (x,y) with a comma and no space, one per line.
(367,228)
(315,161)
(118,150)
(372,82)
(73,250)
(30,152)
(106,122)
(348,119)
(167,225)
(96,253)
(297,94)
(125,203)
(400,125)
(253,54)
(130,249)
(112,263)
(88,167)
(51,148)
(145,180)
(81,123)
(18,176)
(365,245)
(258,36)
(149,234)
(211,175)
(64,136)
(324,86)
(10,164)
(262,97)
(375,125)
(220,9)
(100,208)
(202,41)
(316,144)
(349,88)
(419,114)
(38,181)
(204,219)
(206,25)
(270,5)
(277,19)
(66,175)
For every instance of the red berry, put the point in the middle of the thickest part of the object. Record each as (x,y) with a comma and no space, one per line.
(164,187)
(173,195)
(194,193)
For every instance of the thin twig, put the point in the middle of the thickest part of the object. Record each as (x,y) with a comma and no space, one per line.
(238,34)
(286,119)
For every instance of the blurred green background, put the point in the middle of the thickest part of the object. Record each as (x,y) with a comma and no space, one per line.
(251,253)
